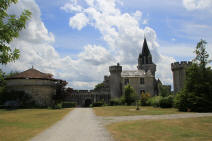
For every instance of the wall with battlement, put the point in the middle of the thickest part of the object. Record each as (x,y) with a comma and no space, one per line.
(180,65)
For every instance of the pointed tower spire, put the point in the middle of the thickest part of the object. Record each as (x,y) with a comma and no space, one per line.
(145,59)
(145,50)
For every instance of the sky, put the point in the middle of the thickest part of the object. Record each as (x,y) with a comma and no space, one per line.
(77,40)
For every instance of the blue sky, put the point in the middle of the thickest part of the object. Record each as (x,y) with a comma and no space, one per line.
(77,40)
(168,18)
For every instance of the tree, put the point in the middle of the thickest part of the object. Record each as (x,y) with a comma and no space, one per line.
(197,92)
(99,86)
(10,26)
(129,95)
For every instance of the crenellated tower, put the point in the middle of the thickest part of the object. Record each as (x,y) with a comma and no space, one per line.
(179,74)
(145,60)
(115,81)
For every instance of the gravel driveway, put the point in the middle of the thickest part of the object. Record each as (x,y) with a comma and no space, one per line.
(81,124)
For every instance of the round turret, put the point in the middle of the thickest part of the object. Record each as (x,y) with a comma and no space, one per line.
(115,81)
(179,74)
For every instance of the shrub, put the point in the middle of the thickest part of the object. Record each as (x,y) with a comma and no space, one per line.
(15,99)
(116,102)
(129,95)
(155,101)
(98,104)
(166,102)
(144,99)
(69,104)
(58,106)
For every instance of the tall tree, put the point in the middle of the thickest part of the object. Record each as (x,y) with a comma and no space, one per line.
(10,26)
(197,92)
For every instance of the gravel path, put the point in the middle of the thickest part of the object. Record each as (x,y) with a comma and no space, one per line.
(81,124)
(109,120)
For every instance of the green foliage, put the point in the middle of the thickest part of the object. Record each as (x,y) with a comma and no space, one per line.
(129,95)
(144,99)
(164,90)
(167,102)
(10,26)
(99,86)
(98,104)
(155,101)
(196,95)
(116,101)
(201,54)
(69,104)
(19,97)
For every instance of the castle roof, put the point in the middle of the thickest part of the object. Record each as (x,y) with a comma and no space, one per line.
(32,74)
(136,73)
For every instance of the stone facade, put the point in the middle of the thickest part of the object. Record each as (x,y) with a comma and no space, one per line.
(86,97)
(142,79)
(179,74)
(40,86)
(40,90)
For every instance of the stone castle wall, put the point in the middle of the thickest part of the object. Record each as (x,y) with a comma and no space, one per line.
(179,74)
(115,81)
(40,90)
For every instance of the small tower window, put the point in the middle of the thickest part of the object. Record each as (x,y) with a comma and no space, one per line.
(142,81)
(126,81)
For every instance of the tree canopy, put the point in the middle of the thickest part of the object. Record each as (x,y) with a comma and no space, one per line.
(10,26)
(197,92)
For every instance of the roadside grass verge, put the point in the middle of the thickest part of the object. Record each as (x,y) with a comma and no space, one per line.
(192,129)
(22,124)
(130,111)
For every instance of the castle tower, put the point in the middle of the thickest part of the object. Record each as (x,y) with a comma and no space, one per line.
(145,60)
(115,81)
(179,74)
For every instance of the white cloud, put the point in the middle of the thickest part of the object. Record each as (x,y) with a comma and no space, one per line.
(197,4)
(78,21)
(122,33)
(72,6)
(35,45)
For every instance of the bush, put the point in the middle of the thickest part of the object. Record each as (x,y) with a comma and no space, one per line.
(16,99)
(155,101)
(98,104)
(166,102)
(144,99)
(129,95)
(116,102)
(58,106)
(69,104)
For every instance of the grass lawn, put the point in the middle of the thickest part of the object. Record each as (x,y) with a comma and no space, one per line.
(192,129)
(20,125)
(130,111)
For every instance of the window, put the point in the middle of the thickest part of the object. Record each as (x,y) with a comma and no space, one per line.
(141,80)
(126,81)
(142,91)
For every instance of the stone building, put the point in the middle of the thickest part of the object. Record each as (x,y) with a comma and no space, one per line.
(142,79)
(40,86)
(179,74)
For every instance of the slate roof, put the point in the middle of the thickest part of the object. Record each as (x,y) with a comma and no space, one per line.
(32,74)
(135,73)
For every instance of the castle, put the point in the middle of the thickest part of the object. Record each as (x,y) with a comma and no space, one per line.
(142,80)
(42,86)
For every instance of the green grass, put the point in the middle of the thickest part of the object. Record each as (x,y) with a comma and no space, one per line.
(20,125)
(130,111)
(192,129)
